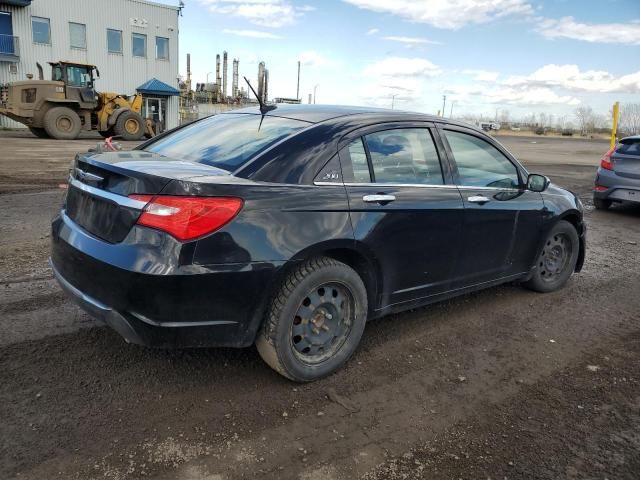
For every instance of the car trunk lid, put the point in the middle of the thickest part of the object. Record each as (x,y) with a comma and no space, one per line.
(100,186)
(626,158)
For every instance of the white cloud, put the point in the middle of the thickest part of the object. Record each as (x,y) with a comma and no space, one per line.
(412,40)
(313,59)
(372,31)
(570,77)
(506,95)
(403,67)
(448,14)
(482,75)
(266,13)
(252,34)
(567,27)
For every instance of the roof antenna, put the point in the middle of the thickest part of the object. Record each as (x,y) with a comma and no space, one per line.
(263,108)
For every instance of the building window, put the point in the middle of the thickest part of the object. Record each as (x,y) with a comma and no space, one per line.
(162,48)
(78,35)
(139,45)
(114,41)
(41,30)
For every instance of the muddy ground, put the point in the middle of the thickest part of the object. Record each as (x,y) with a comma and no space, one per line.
(505,383)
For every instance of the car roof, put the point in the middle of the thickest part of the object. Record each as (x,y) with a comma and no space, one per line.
(631,139)
(322,113)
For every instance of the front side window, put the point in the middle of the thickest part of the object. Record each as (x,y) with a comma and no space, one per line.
(162,48)
(77,35)
(226,141)
(114,41)
(41,30)
(479,163)
(78,76)
(139,45)
(404,156)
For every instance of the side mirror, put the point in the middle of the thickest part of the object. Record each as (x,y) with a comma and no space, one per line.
(97,73)
(537,182)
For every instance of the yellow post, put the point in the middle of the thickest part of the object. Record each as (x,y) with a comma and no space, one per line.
(614,125)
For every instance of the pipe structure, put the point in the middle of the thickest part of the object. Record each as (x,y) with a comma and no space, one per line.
(266,85)
(218,79)
(224,76)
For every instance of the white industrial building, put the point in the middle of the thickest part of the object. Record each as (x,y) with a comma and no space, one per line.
(134,44)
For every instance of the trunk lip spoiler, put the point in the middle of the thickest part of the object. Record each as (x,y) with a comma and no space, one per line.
(119,199)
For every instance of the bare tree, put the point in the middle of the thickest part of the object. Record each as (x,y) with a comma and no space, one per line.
(585,119)
(630,119)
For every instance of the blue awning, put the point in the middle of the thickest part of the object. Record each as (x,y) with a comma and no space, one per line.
(156,87)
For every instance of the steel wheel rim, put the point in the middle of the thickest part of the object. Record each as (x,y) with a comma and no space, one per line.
(131,126)
(322,323)
(64,123)
(555,257)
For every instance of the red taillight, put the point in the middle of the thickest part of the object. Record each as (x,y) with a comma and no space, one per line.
(605,161)
(600,188)
(187,218)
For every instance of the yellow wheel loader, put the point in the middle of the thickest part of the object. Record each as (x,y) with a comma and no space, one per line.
(68,103)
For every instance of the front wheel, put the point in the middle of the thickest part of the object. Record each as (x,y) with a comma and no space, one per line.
(315,321)
(129,126)
(557,260)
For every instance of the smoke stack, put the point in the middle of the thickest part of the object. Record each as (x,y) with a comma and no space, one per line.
(234,81)
(261,80)
(224,76)
(266,86)
(298,89)
(189,73)
(218,79)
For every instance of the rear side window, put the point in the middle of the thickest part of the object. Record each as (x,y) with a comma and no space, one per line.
(479,163)
(629,148)
(225,141)
(404,156)
(359,162)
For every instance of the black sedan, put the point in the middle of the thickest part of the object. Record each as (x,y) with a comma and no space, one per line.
(294,228)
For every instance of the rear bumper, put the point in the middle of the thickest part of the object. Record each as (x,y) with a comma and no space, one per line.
(182,306)
(617,188)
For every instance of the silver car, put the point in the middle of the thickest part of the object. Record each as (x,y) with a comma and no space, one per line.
(618,177)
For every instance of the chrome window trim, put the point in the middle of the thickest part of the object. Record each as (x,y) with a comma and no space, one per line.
(119,199)
(420,185)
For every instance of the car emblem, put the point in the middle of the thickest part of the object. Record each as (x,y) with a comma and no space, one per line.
(87,177)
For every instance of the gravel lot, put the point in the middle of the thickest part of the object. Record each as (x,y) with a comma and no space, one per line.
(505,383)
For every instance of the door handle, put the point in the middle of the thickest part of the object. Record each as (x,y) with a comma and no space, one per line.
(379,198)
(478,199)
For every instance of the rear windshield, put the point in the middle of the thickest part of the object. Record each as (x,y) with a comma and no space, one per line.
(225,141)
(629,147)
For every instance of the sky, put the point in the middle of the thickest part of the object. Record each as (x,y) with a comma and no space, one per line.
(486,56)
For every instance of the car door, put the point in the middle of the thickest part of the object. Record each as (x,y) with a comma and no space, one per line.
(404,209)
(502,218)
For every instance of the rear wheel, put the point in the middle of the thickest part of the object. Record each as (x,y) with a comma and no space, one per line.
(39,132)
(601,203)
(62,123)
(315,321)
(558,259)
(129,126)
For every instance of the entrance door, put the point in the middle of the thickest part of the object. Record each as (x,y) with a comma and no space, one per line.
(6,34)
(155,108)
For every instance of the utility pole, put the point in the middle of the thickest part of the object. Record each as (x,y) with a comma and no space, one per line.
(298,89)
(393,97)
(444,101)
(453,102)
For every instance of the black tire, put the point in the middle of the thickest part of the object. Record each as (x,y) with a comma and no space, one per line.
(62,123)
(129,126)
(106,133)
(39,132)
(601,203)
(557,260)
(293,345)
